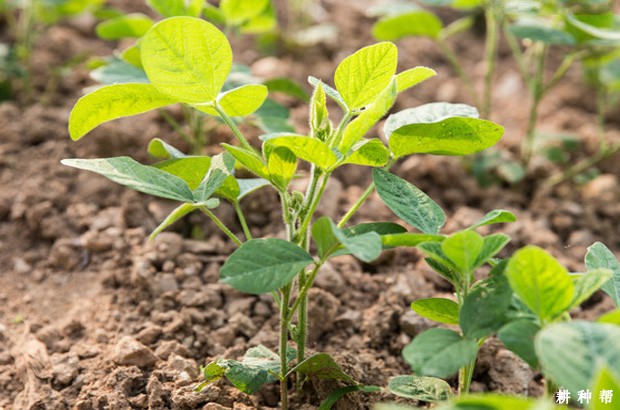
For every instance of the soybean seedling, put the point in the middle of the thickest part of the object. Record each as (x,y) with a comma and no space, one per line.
(187,60)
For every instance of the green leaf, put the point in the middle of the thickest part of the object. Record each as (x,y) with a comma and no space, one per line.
(161,149)
(612,317)
(264,265)
(440,310)
(607,380)
(495,217)
(571,353)
(319,115)
(186,58)
(540,282)
(172,8)
(439,353)
(192,170)
(249,185)
(331,92)
(408,202)
(600,257)
(175,215)
(409,239)
(599,33)
(238,102)
(130,25)
(412,77)
(281,164)
(518,337)
(323,366)
(249,159)
(237,11)
(309,149)
(365,246)
(335,395)
(143,178)
(539,30)
(435,252)
(428,389)
(588,283)
(221,167)
(111,102)
(440,129)
(416,23)
(362,76)
(491,246)
(381,228)
(485,308)
(357,128)
(463,248)
(287,86)
(370,153)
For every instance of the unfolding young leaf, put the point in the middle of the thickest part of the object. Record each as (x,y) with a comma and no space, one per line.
(427,389)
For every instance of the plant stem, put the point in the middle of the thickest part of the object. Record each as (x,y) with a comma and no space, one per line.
(303,293)
(360,201)
(244,224)
(313,205)
(582,165)
(284,322)
(537,89)
(491,12)
(221,225)
(454,62)
(175,125)
(231,124)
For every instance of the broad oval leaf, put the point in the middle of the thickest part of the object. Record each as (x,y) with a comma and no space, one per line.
(428,114)
(439,353)
(281,164)
(192,170)
(485,308)
(130,25)
(220,169)
(249,159)
(237,11)
(412,77)
(111,102)
(264,265)
(491,246)
(540,281)
(362,76)
(440,310)
(416,23)
(463,248)
(126,171)
(600,257)
(408,202)
(370,153)
(365,245)
(309,149)
(433,129)
(186,58)
(571,353)
(428,389)
(518,337)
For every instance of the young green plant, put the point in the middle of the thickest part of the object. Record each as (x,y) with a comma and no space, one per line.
(187,60)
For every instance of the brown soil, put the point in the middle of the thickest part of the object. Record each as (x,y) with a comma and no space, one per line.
(93,316)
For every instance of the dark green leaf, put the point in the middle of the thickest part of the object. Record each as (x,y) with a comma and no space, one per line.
(518,337)
(463,249)
(408,202)
(264,265)
(495,217)
(491,246)
(485,308)
(439,353)
(323,366)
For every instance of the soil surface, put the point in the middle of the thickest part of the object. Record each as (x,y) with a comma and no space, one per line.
(94,316)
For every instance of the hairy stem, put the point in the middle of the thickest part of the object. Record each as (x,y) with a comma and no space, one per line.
(221,225)
(244,224)
(284,323)
(231,124)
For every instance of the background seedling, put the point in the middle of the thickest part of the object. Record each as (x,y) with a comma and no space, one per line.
(188,61)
